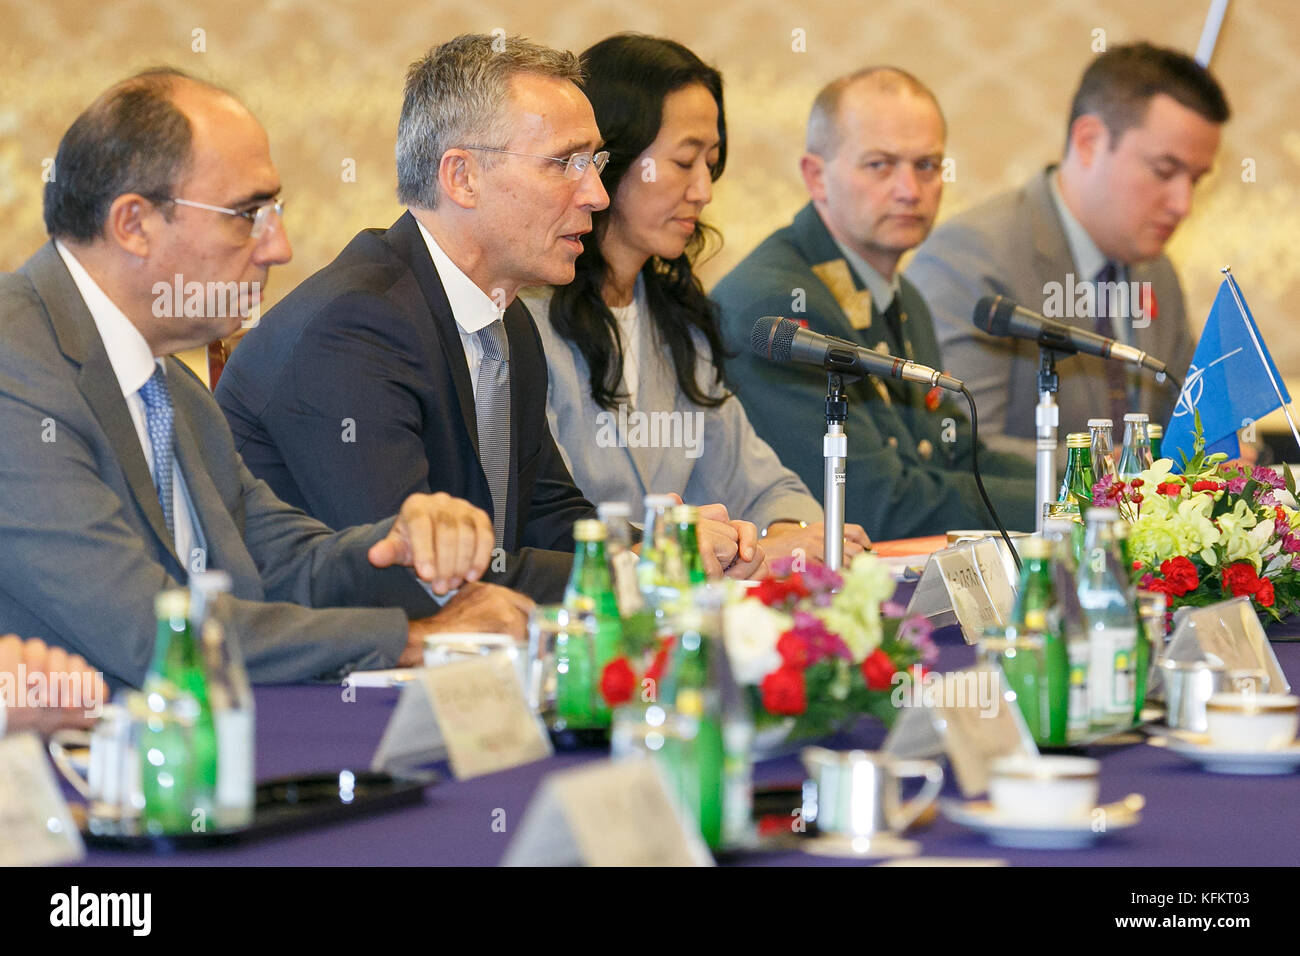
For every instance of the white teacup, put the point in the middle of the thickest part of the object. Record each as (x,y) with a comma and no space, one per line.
(1252,721)
(1044,789)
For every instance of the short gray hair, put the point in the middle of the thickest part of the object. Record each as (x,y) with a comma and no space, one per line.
(456,95)
(823,122)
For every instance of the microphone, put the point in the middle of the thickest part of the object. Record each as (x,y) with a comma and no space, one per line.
(998,315)
(784,340)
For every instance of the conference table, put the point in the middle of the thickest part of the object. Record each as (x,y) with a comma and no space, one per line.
(1191,817)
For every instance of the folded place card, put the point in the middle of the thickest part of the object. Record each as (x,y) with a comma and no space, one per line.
(36,827)
(970,715)
(606,814)
(1229,633)
(971,584)
(472,712)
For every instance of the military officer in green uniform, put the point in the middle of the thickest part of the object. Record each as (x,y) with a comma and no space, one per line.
(873,168)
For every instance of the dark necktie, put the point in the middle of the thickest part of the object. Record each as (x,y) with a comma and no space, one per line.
(1117,402)
(159,420)
(492,407)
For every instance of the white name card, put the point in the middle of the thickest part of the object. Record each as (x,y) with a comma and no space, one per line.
(36,826)
(971,584)
(970,715)
(1229,633)
(606,814)
(472,712)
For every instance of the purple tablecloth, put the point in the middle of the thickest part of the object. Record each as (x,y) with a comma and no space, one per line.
(1192,818)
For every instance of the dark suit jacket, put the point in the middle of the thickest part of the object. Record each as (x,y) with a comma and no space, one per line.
(353,393)
(83,544)
(1014,245)
(909,463)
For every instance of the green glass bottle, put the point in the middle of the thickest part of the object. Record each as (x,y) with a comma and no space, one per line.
(1067,547)
(1076,485)
(1156,434)
(1039,673)
(685,519)
(178,744)
(707,750)
(590,588)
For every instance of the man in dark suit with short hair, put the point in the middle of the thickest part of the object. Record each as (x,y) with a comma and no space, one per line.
(407,364)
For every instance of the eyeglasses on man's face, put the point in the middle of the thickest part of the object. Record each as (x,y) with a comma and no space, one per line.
(259,216)
(574,165)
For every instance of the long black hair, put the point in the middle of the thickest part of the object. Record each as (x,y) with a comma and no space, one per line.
(628,77)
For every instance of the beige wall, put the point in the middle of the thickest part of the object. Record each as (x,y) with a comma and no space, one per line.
(325,77)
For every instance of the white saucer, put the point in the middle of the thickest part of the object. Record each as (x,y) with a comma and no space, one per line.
(980,816)
(1230,760)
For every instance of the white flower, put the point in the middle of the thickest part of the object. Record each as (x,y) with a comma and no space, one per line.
(752,630)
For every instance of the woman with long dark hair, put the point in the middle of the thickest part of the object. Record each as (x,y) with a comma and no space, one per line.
(637,400)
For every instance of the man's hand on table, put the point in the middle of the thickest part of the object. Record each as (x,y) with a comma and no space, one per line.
(445,540)
(54,664)
(783,538)
(476,608)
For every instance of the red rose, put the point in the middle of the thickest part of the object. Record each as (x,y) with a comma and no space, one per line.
(770,591)
(793,650)
(1264,595)
(1240,578)
(1210,486)
(1137,482)
(794,585)
(617,682)
(1170,488)
(1181,575)
(783,692)
(878,670)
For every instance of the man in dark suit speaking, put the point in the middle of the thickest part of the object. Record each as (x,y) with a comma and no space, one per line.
(407,364)
(119,475)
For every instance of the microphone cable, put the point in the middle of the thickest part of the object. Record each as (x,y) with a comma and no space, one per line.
(979,482)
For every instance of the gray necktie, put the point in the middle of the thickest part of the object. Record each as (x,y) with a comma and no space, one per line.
(492,407)
(159,415)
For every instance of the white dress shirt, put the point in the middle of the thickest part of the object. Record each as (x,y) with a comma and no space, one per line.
(472,308)
(133,364)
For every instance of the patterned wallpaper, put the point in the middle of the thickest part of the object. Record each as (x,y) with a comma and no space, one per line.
(325,76)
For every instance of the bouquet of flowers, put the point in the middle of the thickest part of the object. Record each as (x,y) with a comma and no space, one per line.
(814,648)
(1216,531)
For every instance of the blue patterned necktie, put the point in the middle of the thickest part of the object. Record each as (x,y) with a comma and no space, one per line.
(492,409)
(1117,397)
(159,417)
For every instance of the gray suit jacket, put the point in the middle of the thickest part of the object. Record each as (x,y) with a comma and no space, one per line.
(714,456)
(83,544)
(1013,245)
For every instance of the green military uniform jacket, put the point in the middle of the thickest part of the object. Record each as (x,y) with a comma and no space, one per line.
(909,467)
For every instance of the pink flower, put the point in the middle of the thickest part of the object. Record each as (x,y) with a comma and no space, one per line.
(1267,476)
(1236,485)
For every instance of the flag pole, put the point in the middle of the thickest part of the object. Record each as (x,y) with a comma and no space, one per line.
(1268,365)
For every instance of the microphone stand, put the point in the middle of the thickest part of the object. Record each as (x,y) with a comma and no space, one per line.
(835,449)
(1047,416)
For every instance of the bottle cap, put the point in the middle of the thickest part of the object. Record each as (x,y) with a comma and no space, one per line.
(172,602)
(1078,440)
(1102,514)
(683,514)
(1035,547)
(659,501)
(1100,423)
(210,582)
(1061,527)
(1137,417)
(1156,431)
(588,529)
(613,509)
